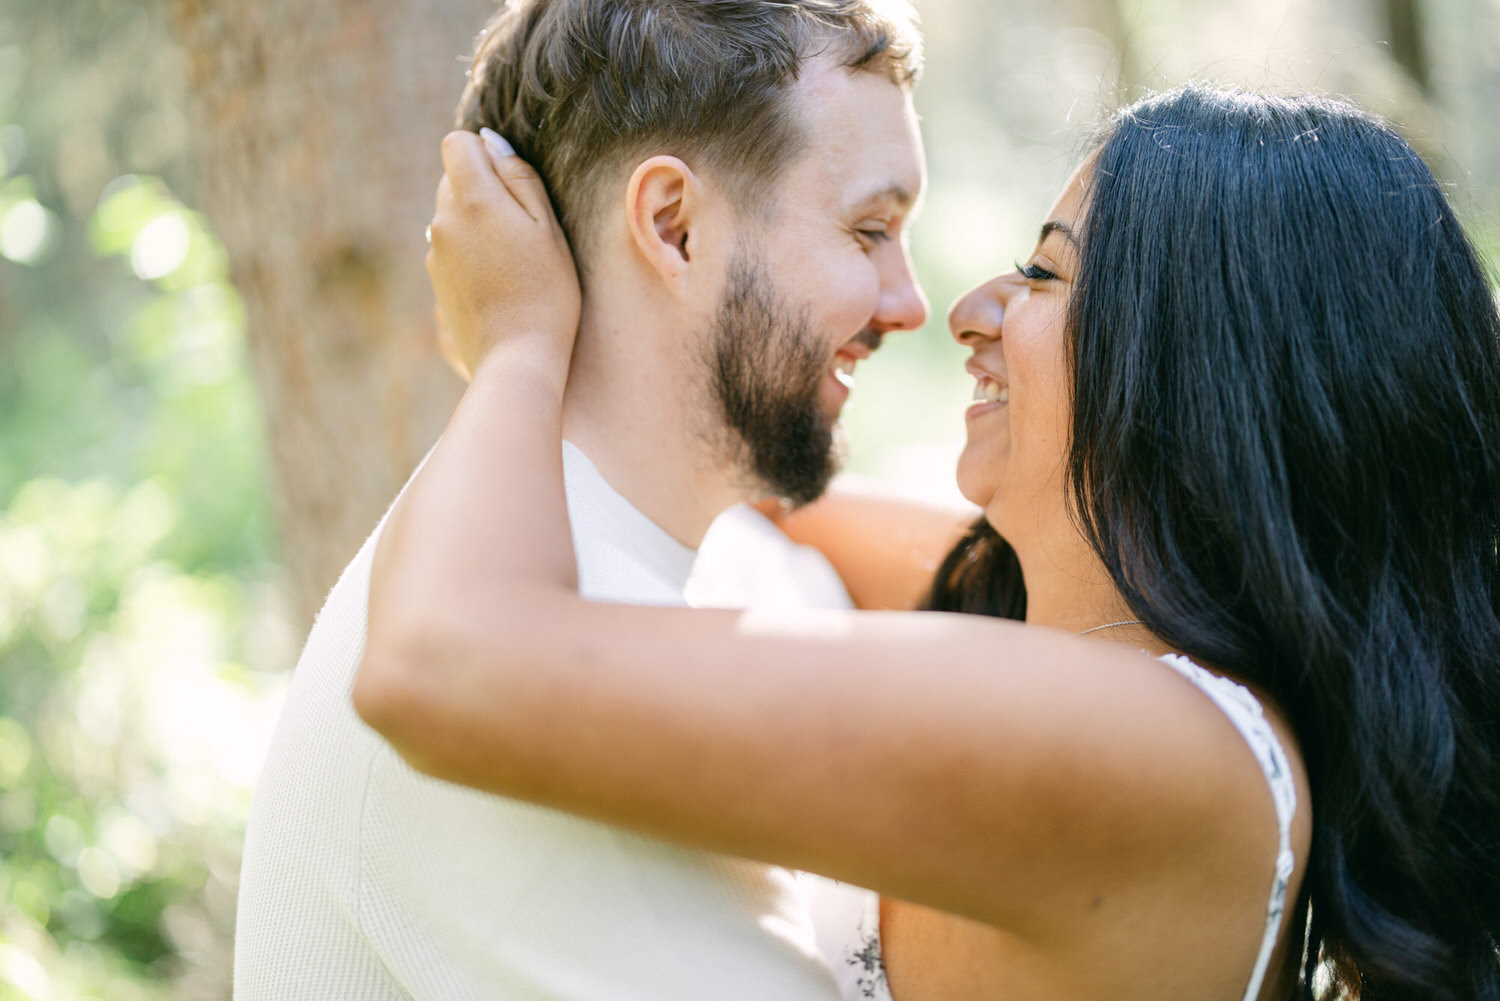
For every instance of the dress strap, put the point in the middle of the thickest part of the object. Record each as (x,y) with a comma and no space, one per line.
(1245,712)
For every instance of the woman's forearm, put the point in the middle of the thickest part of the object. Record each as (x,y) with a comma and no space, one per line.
(885,548)
(956,762)
(482,526)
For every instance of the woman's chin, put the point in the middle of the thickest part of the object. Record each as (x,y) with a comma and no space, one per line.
(975,479)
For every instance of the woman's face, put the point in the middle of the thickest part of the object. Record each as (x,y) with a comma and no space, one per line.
(1013,463)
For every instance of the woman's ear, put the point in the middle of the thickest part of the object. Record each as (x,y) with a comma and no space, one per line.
(663,205)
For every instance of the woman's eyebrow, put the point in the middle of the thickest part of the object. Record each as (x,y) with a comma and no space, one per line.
(1057,226)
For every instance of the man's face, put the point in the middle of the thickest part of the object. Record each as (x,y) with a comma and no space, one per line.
(810,291)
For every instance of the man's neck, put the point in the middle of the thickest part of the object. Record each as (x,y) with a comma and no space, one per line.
(633,404)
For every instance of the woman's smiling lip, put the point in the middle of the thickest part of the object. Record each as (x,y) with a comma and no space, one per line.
(991,392)
(980,409)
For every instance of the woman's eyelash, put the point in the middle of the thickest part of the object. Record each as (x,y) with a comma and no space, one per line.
(1034,273)
(874,235)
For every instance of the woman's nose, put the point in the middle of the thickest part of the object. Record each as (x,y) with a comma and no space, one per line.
(978,314)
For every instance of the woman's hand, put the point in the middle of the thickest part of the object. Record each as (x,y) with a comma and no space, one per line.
(500,264)
(483,524)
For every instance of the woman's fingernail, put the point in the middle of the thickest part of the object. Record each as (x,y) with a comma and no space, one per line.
(497,143)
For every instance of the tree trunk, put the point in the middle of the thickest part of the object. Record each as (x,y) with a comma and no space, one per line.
(315,156)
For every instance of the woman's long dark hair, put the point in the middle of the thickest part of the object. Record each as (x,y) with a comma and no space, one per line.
(1286,452)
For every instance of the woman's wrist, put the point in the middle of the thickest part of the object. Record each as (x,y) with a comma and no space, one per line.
(537,359)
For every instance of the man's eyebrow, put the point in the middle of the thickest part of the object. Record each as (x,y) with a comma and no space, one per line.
(895,191)
(1055,226)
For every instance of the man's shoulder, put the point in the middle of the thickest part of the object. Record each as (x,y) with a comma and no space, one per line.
(609,569)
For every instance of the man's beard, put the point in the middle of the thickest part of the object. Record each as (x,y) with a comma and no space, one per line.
(767,370)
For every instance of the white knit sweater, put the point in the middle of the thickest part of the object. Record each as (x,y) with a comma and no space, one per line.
(364,879)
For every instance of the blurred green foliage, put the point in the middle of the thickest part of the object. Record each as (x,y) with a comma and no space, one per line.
(135,544)
(138,587)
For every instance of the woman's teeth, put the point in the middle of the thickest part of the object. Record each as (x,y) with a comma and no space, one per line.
(990,391)
(843,371)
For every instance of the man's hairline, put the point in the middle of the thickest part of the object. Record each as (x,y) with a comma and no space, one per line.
(758,212)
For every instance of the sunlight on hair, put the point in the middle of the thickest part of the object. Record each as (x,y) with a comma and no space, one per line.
(895,11)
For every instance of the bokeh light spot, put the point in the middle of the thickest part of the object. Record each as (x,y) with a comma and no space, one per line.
(98,873)
(25,562)
(133,842)
(63,838)
(25,231)
(25,974)
(64,608)
(160,247)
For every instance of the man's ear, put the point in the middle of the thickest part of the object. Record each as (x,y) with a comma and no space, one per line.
(663,207)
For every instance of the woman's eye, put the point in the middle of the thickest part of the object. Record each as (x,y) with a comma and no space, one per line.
(874,235)
(1033,273)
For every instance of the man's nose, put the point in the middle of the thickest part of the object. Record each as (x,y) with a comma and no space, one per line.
(903,304)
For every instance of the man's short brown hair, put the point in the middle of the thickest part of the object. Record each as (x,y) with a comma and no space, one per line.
(580,86)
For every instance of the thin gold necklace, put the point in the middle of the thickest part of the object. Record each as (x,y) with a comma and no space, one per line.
(1111,625)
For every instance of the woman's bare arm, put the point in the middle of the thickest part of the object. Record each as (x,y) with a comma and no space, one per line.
(886,548)
(1002,772)
(1007,773)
